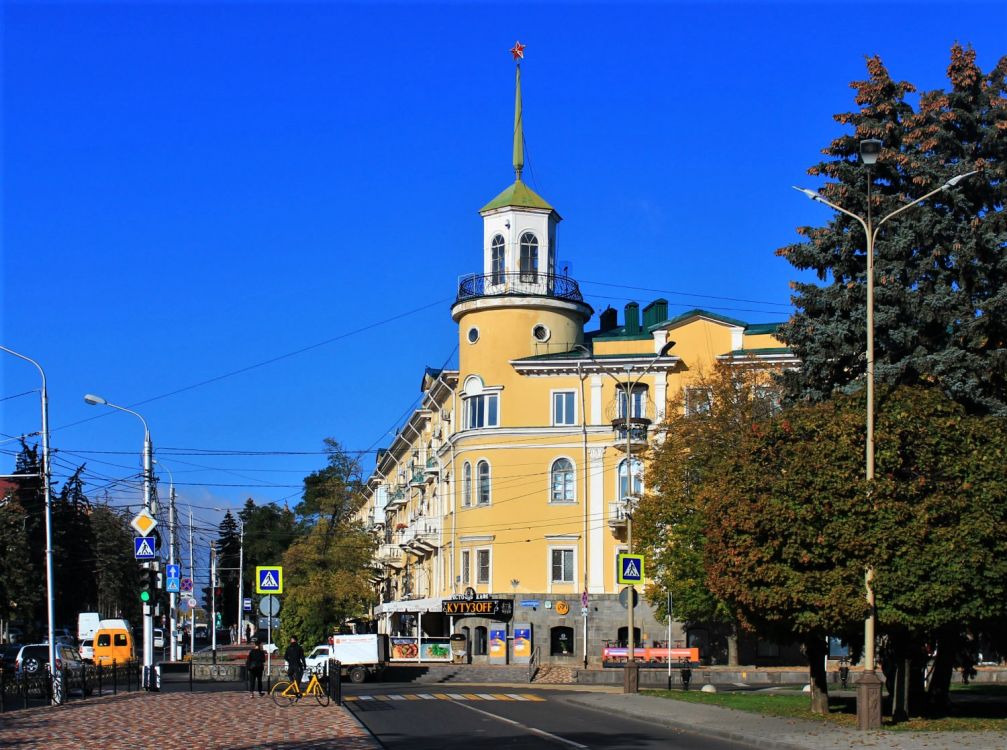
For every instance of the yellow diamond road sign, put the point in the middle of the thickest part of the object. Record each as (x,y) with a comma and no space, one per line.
(143,522)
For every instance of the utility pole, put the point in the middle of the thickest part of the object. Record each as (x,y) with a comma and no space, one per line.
(241,581)
(192,577)
(213,601)
(172,596)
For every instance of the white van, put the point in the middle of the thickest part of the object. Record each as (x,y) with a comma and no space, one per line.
(87,625)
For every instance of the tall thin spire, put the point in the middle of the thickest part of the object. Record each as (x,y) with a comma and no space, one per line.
(518,52)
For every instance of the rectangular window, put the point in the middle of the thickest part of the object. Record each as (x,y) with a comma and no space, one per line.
(698,401)
(482,566)
(481,411)
(562,566)
(466,555)
(563,408)
(637,402)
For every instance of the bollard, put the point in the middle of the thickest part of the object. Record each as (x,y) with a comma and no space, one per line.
(338,682)
(686,672)
(101,688)
(24,690)
(190,675)
(115,678)
(3,677)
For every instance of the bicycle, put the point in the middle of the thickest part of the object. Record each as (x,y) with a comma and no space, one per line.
(288,692)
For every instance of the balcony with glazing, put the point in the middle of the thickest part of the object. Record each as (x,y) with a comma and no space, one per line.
(524,283)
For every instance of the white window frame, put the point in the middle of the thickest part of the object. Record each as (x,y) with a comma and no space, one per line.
(573,565)
(638,394)
(573,481)
(489,566)
(691,405)
(466,566)
(479,484)
(618,479)
(571,419)
(490,407)
(467,485)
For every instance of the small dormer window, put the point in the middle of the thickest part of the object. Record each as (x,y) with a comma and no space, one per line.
(497,259)
(529,257)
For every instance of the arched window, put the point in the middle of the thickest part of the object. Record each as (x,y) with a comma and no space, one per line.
(637,472)
(562,481)
(561,641)
(479,647)
(529,257)
(497,259)
(467,484)
(483,483)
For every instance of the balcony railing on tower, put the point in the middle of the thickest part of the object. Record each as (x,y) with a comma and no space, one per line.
(523,283)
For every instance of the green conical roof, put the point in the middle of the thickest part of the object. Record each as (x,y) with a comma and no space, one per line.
(519,195)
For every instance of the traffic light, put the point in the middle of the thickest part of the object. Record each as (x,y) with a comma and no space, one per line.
(148,586)
(220,621)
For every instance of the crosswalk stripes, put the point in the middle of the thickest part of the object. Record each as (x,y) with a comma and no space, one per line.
(447,697)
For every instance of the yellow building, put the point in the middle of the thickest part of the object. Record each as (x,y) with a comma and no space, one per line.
(501,504)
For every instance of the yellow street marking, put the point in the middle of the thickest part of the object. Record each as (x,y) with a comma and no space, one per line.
(471,696)
(533,697)
(350,698)
(382,697)
(502,697)
(412,697)
(443,696)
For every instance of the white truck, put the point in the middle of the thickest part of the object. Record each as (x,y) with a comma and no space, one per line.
(359,656)
(87,625)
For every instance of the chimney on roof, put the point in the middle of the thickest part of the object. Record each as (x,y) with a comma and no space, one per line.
(654,313)
(632,318)
(608,319)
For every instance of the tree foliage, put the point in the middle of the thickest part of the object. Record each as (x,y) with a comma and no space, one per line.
(671,520)
(940,268)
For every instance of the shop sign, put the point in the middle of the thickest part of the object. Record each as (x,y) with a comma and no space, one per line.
(478,607)
(498,643)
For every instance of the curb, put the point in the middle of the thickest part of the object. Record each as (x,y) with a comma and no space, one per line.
(725,734)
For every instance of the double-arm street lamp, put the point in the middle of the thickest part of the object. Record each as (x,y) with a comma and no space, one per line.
(626,421)
(47,489)
(148,482)
(869,686)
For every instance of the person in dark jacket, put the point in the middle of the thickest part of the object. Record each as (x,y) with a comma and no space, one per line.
(296,664)
(255,663)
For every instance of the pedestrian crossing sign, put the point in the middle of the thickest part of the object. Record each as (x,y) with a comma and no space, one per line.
(268,579)
(143,548)
(630,569)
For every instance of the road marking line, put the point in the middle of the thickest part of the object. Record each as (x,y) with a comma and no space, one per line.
(486,696)
(455,697)
(427,696)
(350,698)
(396,697)
(412,697)
(382,697)
(371,697)
(470,697)
(515,696)
(533,697)
(445,696)
(538,732)
(502,697)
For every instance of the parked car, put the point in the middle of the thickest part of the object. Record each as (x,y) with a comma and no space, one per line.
(87,649)
(8,654)
(32,659)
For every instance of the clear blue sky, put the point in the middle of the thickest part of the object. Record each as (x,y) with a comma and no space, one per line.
(191,189)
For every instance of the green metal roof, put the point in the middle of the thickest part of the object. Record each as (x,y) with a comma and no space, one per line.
(519,195)
(757,328)
(766,350)
(581,356)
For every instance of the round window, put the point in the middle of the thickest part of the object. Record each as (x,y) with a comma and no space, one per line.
(473,335)
(541,332)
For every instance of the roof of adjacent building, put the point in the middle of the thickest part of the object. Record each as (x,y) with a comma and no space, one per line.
(619,332)
(519,195)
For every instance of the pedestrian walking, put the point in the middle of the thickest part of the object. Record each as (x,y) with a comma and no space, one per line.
(255,663)
(294,656)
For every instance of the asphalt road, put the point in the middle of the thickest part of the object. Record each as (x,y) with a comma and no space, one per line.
(438,717)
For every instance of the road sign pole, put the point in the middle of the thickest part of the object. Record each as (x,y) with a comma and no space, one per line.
(148,610)
(241,581)
(172,596)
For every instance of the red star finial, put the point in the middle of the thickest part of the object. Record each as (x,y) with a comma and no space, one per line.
(518,50)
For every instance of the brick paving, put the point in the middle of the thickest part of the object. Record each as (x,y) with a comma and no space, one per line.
(183,721)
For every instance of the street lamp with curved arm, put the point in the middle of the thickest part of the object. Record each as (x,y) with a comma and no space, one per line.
(869,153)
(148,481)
(631,684)
(47,489)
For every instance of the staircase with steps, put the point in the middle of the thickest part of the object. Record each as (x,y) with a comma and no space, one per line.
(549,674)
(457,673)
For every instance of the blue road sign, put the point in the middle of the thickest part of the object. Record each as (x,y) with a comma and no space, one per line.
(172,585)
(143,548)
(172,571)
(268,579)
(630,569)
(246,604)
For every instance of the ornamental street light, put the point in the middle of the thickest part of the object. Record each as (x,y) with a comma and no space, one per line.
(869,686)
(47,490)
(148,482)
(631,682)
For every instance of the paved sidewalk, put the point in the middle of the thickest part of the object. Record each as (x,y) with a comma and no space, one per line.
(184,721)
(777,733)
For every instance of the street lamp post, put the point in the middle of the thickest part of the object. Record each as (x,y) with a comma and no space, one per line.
(47,490)
(869,685)
(631,684)
(148,482)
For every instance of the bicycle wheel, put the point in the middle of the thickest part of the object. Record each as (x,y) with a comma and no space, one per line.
(280,696)
(321,694)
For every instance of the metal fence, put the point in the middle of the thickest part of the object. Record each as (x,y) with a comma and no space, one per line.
(19,689)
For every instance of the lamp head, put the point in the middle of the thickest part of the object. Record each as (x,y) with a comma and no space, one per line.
(90,398)
(958,178)
(809,193)
(666,348)
(870,149)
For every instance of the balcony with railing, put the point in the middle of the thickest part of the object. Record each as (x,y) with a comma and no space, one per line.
(390,554)
(524,283)
(617,514)
(422,536)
